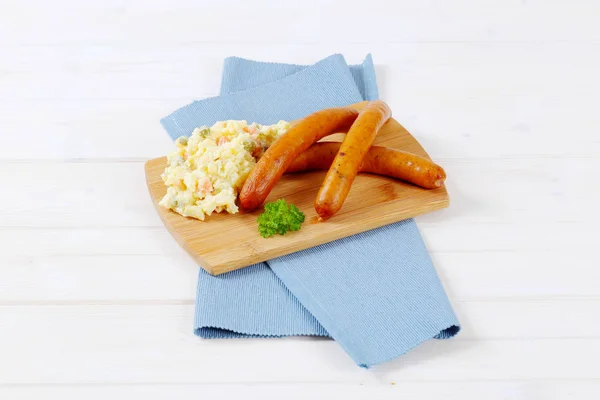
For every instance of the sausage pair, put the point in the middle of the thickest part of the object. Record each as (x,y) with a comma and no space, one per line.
(284,151)
(296,151)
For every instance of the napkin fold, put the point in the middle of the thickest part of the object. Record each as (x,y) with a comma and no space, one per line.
(376,293)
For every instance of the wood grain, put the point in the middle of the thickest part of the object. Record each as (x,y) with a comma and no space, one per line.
(225,242)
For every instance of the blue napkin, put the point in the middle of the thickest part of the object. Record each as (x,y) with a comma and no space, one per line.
(375,293)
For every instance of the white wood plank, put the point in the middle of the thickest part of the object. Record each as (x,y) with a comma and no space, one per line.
(184,72)
(153,344)
(490,319)
(483,191)
(77,194)
(502,360)
(98,278)
(519,191)
(491,390)
(161,21)
(522,275)
(80,129)
(446,126)
(574,239)
(106,101)
(537,319)
(29,278)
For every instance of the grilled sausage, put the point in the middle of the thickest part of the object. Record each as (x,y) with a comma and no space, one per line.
(349,158)
(379,160)
(284,150)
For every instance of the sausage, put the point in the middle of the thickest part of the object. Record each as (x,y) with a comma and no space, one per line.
(285,149)
(379,160)
(349,158)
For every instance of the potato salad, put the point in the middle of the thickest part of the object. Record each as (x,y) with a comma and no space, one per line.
(206,171)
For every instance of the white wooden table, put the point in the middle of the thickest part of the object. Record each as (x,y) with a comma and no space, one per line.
(96,299)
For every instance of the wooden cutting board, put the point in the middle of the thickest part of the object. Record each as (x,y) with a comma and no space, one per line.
(225,242)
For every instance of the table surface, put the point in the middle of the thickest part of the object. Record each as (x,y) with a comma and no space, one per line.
(96,299)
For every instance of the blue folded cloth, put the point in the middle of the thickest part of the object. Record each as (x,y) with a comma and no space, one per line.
(376,293)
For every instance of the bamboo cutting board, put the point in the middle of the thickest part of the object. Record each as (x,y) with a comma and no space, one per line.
(225,242)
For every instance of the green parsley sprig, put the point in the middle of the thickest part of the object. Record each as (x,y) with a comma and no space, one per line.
(279,217)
